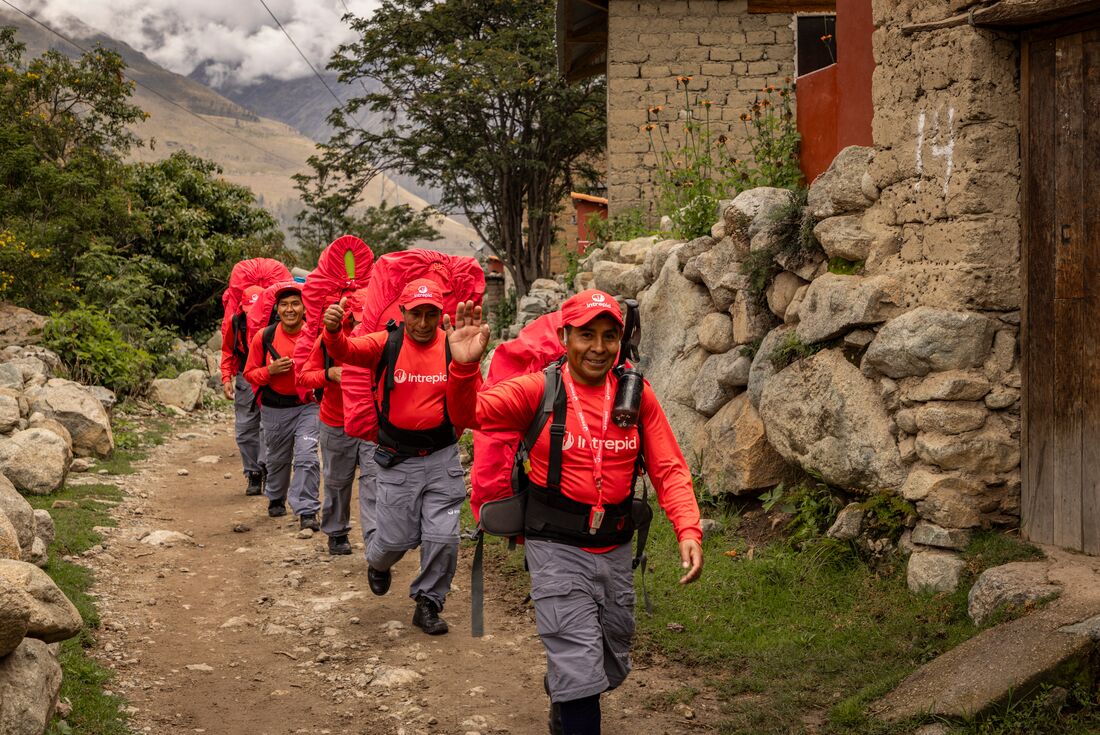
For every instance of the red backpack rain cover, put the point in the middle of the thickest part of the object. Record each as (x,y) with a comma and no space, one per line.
(494,451)
(262,272)
(462,279)
(263,313)
(342,268)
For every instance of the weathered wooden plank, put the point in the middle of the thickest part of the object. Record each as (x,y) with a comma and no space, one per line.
(1069,329)
(1069,273)
(792,6)
(1010,14)
(1037,503)
(1090,366)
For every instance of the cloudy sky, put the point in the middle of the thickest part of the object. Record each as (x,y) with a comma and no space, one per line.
(237,36)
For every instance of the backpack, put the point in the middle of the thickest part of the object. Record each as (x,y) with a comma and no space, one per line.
(262,272)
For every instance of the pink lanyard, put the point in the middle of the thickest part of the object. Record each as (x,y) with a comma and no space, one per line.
(597,514)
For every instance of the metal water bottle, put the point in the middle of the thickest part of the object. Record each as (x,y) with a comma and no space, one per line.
(628,398)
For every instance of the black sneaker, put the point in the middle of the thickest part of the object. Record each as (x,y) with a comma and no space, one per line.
(339,545)
(255,484)
(379,581)
(308,520)
(427,617)
(276,508)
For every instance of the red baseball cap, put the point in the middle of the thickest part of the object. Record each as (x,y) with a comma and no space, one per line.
(251,296)
(587,305)
(422,291)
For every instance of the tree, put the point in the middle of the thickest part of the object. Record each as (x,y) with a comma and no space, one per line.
(330,199)
(477,108)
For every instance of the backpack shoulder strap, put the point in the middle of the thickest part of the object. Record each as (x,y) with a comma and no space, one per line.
(553,402)
(384,371)
(269,341)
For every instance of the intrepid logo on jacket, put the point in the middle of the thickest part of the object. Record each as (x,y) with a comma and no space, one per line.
(609,445)
(400,375)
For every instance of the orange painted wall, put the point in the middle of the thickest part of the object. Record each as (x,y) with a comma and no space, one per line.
(834,104)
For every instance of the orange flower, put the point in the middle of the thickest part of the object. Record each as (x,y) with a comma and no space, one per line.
(706,103)
(683,79)
(649,127)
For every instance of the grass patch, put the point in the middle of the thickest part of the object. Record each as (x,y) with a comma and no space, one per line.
(134,435)
(843,267)
(93,712)
(789,635)
(791,350)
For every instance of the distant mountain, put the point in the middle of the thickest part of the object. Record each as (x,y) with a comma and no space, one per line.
(252,149)
(305,104)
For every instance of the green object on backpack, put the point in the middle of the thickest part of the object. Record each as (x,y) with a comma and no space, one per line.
(349,264)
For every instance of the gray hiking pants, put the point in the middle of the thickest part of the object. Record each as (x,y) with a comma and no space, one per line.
(246,415)
(419,502)
(290,435)
(340,455)
(584,613)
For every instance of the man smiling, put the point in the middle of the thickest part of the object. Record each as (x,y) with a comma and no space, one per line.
(420,485)
(289,422)
(579,519)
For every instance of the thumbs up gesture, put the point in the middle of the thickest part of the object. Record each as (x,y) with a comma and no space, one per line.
(334,316)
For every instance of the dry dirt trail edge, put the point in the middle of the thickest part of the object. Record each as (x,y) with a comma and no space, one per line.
(262,633)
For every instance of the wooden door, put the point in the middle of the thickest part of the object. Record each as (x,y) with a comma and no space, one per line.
(1061,145)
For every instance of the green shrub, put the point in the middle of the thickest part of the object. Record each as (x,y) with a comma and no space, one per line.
(794,226)
(761,268)
(95,352)
(843,267)
(814,506)
(505,313)
(625,225)
(792,349)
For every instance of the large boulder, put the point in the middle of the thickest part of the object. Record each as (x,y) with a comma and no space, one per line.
(104,395)
(825,416)
(716,333)
(751,319)
(44,528)
(47,357)
(53,618)
(991,449)
(934,571)
(11,376)
(9,540)
(38,421)
(756,206)
(762,366)
(635,251)
(30,679)
(720,269)
(183,392)
(844,237)
(732,368)
(35,372)
(1015,584)
(19,326)
(781,292)
(708,391)
(80,412)
(10,410)
(840,188)
(927,340)
(951,385)
(836,304)
(19,512)
(736,456)
(620,279)
(15,618)
(35,460)
(656,256)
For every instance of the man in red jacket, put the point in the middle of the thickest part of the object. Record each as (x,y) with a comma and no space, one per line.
(420,485)
(289,422)
(340,453)
(578,524)
(250,440)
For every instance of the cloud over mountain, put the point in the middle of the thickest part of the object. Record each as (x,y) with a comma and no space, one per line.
(236,40)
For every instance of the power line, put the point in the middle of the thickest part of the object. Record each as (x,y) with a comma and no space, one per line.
(147,88)
(305,58)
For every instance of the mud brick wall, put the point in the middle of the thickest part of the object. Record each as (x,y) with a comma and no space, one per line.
(730,55)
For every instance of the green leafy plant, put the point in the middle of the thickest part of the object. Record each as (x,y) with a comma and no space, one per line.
(885,515)
(749,350)
(761,269)
(793,226)
(505,313)
(696,166)
(95,352)
(572,267)
(625,225)
(813,507)
(843,267)
(769,499)
(792,349)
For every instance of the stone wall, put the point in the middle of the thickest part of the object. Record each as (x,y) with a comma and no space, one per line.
(730,55)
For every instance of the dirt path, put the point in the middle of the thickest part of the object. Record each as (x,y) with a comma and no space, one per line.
(259,632)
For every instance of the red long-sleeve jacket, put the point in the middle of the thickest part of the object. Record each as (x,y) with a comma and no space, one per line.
(420,375)
(256,371)
(511,406)
(313,375)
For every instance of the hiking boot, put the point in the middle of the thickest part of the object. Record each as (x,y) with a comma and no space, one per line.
(379,581)
(276,508)
(339,546)
(255,484)
(427,617)
(309,520)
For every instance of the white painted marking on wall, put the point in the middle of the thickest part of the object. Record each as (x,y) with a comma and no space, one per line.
(941,140)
